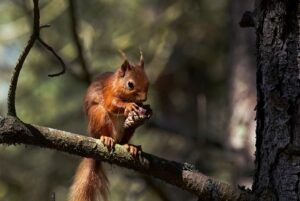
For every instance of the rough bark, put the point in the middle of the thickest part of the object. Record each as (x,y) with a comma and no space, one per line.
(185,176)
(278,123)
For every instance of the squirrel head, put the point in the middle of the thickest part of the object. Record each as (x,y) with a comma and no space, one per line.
(132,82)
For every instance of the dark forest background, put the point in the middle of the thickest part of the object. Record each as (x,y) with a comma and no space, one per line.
(202,71)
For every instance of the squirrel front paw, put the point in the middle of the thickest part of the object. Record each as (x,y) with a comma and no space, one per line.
(108,141)
(130,107)
(134,150)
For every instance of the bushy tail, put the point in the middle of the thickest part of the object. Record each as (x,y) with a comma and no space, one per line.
(90,182)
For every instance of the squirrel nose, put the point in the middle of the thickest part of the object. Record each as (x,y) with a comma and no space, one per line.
(143,97)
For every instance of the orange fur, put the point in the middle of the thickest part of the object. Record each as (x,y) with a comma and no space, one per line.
(88,180)
(106,104)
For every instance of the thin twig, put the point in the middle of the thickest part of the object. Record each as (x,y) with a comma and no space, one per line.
(45,26)
(49,48)
(14,80)
(74,30)
(11,99)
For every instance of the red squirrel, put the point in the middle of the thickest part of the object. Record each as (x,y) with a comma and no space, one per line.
(110,98)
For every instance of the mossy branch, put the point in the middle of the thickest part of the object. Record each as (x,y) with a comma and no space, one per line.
(185,176)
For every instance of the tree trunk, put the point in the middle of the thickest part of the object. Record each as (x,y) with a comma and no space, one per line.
(278,115)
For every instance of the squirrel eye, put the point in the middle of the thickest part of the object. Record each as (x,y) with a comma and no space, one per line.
(130,85)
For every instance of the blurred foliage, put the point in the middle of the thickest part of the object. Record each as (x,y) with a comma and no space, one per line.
(185,45)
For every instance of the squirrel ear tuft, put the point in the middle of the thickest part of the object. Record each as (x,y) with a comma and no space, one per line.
(124,67)
(141,60)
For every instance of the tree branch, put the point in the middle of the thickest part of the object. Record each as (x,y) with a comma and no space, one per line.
(11,99)
(74,30)
(185,176)
(50,49)
(11,109)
